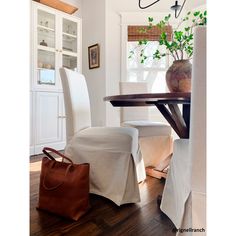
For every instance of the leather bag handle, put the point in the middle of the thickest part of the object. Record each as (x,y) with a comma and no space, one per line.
(46,149)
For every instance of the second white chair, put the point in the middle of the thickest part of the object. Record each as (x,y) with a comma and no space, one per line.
(155,138)
(116,164)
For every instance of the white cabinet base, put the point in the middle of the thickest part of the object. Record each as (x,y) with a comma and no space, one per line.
(49,122)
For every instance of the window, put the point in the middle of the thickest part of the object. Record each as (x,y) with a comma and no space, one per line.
(151,71)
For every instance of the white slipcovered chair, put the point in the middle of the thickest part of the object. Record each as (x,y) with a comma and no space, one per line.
(184,196)
(116,164)
(156,142)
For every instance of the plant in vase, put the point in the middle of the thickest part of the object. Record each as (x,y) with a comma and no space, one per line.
(179,46)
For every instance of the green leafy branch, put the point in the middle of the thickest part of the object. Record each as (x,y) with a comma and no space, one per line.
(181,43)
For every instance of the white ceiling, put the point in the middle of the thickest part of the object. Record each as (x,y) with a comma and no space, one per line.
(162,5)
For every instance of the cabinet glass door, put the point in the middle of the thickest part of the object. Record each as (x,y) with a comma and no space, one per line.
(69,35)
(46,43)
(69,44)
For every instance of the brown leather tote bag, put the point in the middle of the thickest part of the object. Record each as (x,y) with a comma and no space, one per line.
(64,187)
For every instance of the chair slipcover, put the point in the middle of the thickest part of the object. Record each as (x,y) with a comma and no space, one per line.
(116,165)
(184,196)
(156,142)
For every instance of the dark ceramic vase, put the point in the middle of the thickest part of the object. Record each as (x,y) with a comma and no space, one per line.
(178,76)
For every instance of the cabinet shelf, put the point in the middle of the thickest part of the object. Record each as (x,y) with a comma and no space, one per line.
(46,28)
(68,53)
(70,35)
(43,68)
(68,38)
(46,48)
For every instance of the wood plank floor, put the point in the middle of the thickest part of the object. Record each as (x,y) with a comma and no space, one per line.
(104,218)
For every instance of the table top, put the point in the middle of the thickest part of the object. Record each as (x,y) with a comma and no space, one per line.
(148,99)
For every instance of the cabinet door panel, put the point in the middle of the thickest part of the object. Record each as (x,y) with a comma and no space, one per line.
(47,122)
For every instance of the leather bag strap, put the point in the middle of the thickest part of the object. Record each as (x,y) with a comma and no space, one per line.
(46,149)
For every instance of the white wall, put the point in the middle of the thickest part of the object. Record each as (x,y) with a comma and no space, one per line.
(93,31)
(113,36)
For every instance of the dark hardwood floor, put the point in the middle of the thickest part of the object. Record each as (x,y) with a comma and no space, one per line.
(104,218)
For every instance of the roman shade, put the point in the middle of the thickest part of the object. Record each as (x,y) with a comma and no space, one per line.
(140,32)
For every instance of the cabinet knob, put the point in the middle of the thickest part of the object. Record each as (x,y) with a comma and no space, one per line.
(56,50)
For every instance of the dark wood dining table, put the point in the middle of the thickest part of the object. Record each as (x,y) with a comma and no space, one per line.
(166,103)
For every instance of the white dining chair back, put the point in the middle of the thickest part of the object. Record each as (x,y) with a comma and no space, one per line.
(134,113)
(198,112)
(198,133)
(77,103)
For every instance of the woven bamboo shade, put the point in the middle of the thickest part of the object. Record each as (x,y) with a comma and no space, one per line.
(135,33)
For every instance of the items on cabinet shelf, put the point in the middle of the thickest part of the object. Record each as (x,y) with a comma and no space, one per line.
(45,65)
(46,76)
(48,66)
(43,43)
(40,64)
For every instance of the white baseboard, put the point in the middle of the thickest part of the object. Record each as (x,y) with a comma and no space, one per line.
(58,146)
(31,150)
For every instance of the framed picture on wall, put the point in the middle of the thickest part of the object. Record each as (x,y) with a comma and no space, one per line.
(93,56)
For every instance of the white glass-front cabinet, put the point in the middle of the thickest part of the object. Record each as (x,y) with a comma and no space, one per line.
(55,42)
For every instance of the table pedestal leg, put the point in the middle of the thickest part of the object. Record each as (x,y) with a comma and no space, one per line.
(175,118)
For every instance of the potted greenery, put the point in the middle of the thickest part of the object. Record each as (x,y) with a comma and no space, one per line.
(180,48)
